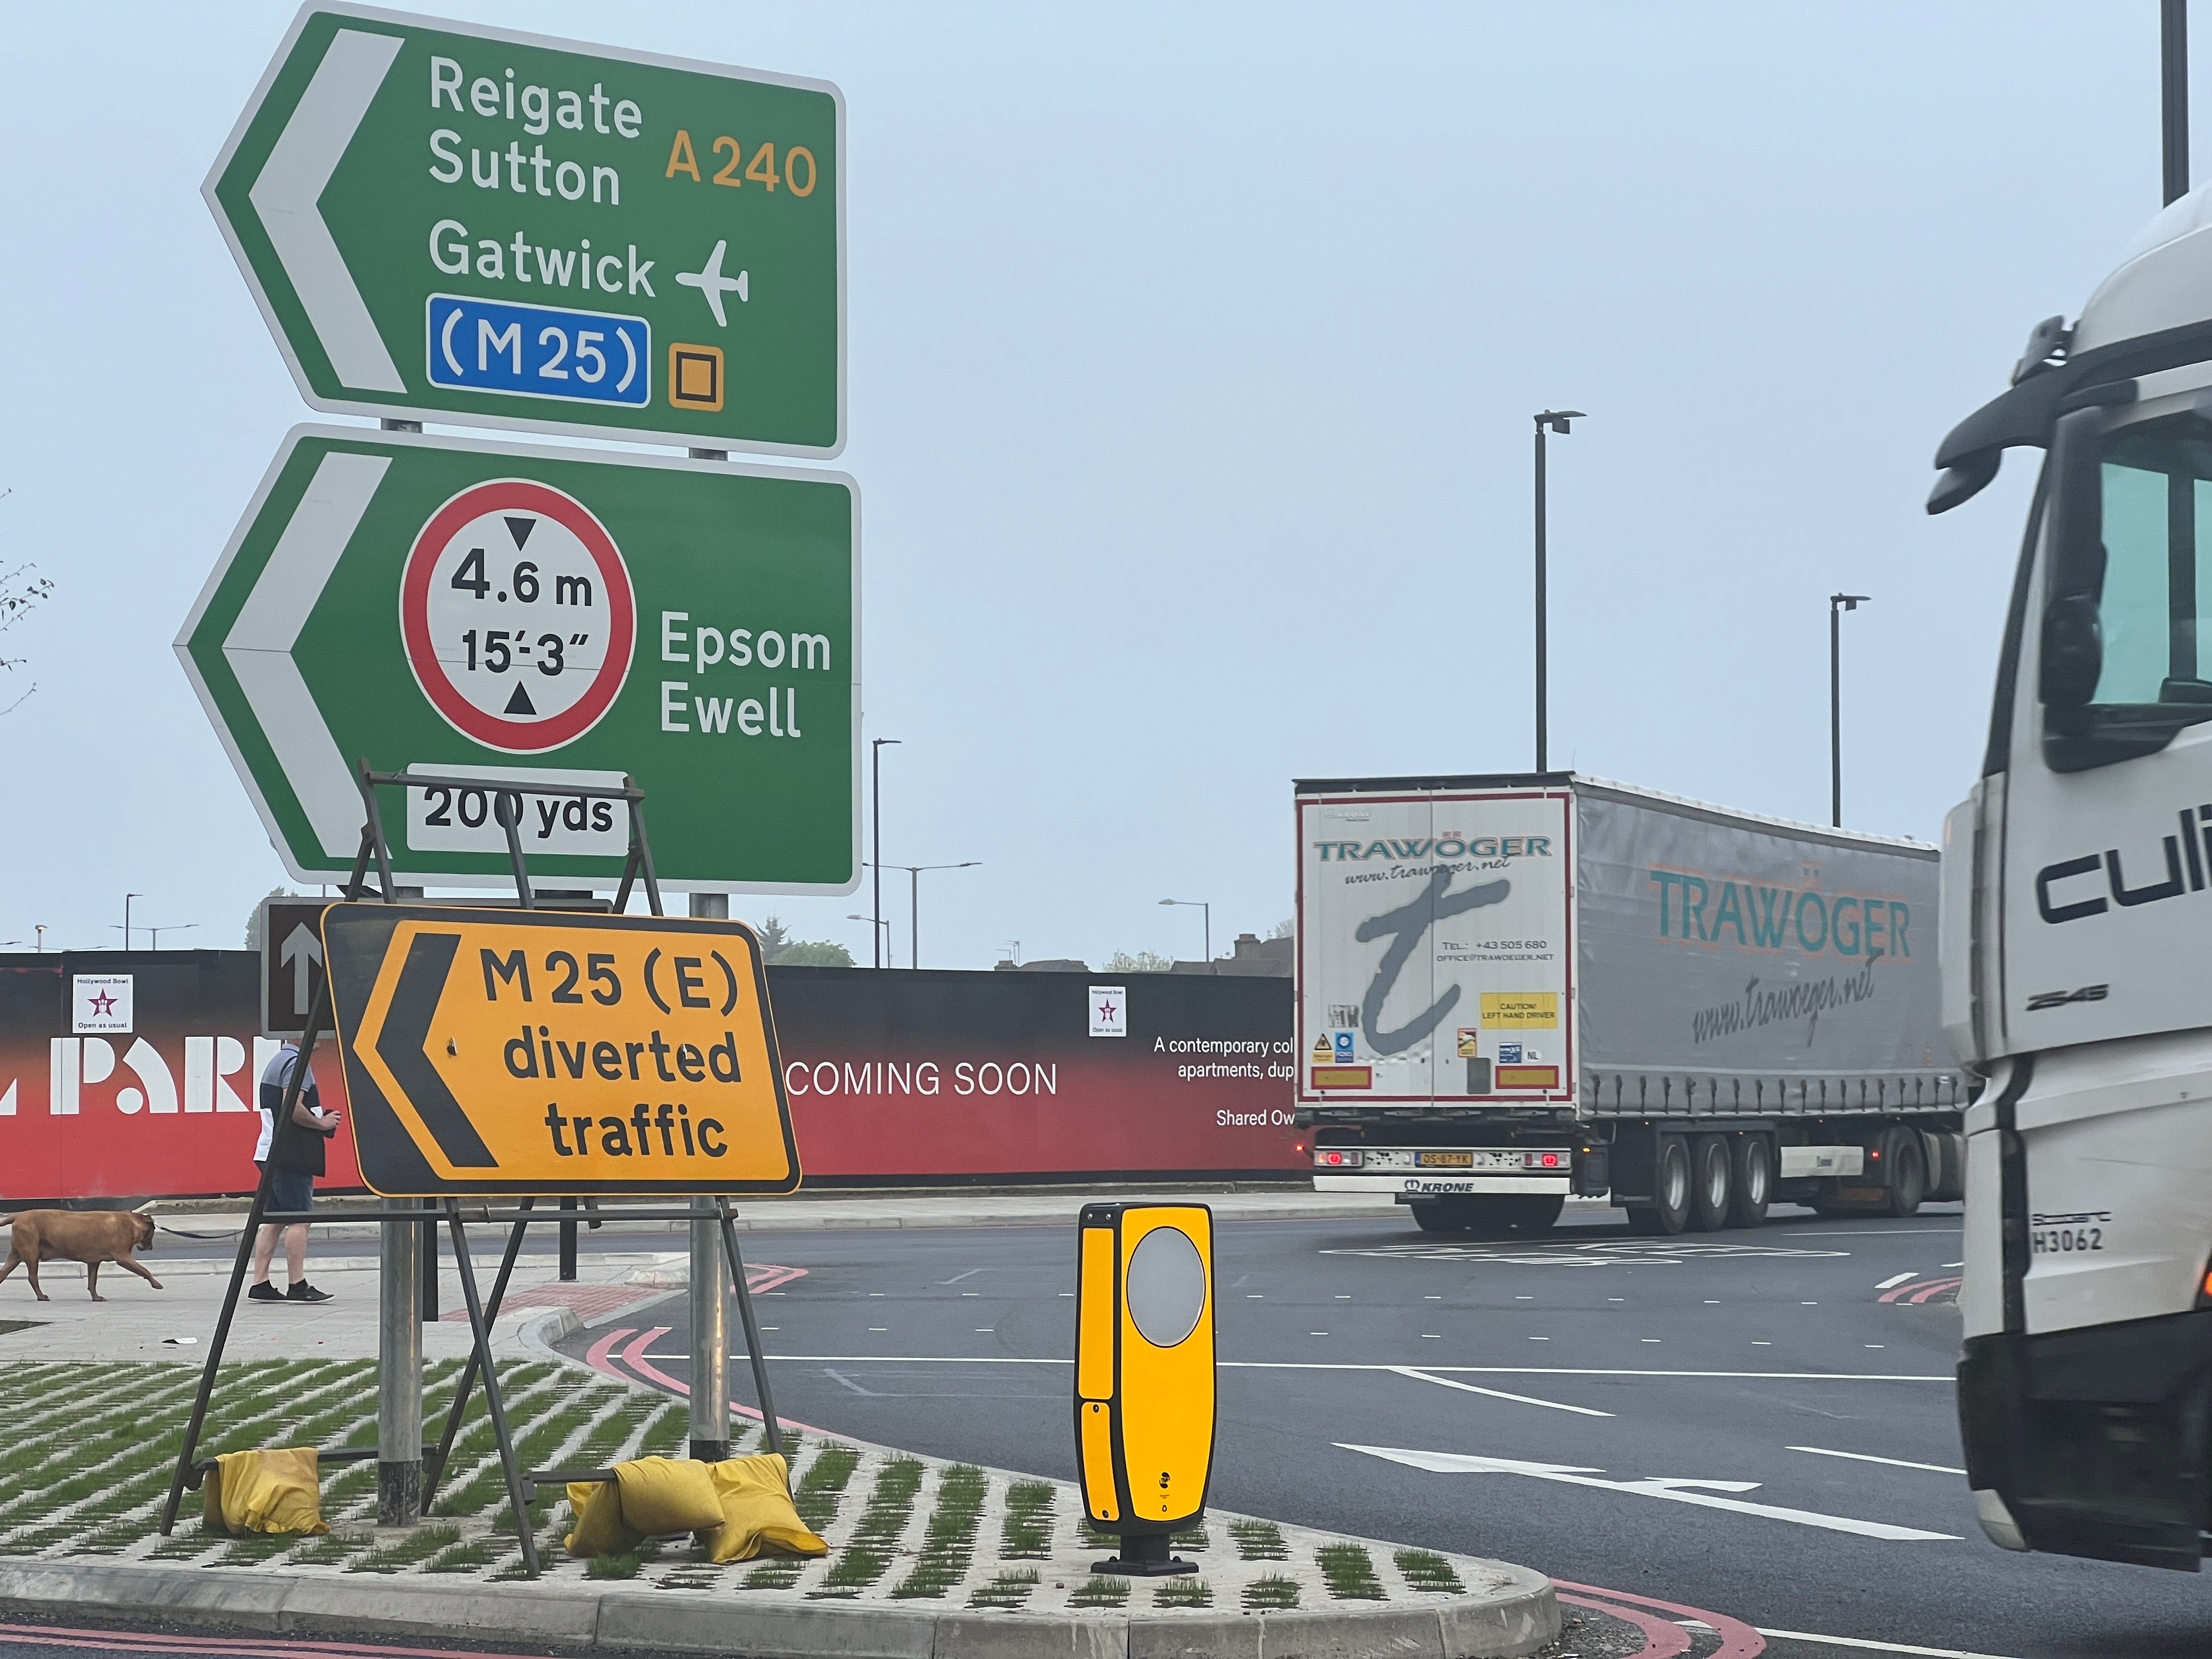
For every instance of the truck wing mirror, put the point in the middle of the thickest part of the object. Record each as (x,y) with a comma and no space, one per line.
(2073,643)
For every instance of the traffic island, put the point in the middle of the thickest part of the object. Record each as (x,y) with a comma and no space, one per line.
(927,1557)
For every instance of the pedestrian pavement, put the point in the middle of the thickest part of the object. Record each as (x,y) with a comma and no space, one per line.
(176,1322)
(807,1211)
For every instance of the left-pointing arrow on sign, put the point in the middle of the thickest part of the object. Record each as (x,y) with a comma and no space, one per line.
(288,195)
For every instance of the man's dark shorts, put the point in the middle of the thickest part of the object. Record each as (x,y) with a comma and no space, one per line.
(291,1190)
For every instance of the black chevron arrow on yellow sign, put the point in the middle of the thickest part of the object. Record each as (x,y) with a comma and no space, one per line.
(506,1052)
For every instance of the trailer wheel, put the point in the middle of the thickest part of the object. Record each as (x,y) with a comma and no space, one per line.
(1754,1181)
(1669,1211)
(1712,1192)
(1908,1173)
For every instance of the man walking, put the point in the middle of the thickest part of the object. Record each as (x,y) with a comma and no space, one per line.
(292,1181)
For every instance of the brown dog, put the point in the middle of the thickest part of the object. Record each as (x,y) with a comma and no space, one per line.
(92,1236)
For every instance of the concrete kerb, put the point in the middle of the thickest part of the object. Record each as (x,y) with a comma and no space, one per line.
(1514,1618)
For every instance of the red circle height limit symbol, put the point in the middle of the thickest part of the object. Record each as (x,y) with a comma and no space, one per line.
(518,616)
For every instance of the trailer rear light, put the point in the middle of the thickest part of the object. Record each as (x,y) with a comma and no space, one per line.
(1338,1158)
(1543,1160)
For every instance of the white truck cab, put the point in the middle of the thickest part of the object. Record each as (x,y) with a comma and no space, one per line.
(2077,934)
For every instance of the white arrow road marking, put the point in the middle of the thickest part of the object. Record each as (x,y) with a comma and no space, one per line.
(1496,1393)
(709,281)
(260,646)
(287,193)
(1677,1490)
(302,952)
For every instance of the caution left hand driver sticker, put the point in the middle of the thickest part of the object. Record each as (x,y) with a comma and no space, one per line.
(506,1052)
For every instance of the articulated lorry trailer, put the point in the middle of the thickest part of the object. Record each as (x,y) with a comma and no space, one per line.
(1514,988)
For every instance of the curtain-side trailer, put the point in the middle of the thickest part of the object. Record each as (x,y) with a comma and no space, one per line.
(1511,988)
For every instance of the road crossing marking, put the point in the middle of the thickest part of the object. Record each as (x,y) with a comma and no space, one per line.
(1585,1253)
(1705,1494)
(1878,1646)
(1496,1394)
(1868,1457)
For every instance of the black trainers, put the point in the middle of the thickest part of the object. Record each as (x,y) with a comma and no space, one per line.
(303,1291)
(264,1291)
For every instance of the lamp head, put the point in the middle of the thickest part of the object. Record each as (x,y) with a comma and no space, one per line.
(1556,420)
(1849,601)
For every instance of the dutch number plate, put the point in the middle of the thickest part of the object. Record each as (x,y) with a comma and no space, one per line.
(1445,1160)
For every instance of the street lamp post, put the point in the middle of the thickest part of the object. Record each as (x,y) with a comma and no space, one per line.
(876,761)
(882,933)
(1552,420)
(1200,904)
(914,895)
(1838,604)
(127,897)
(2173,85)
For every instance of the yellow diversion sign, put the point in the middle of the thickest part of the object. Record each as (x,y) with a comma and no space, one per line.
(517,1052)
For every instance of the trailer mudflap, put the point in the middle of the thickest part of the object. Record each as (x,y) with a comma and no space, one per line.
(2096,1439)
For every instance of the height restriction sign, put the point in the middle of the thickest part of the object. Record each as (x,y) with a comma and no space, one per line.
(518,616)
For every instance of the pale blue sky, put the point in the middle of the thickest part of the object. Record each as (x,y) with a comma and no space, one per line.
(1193,351)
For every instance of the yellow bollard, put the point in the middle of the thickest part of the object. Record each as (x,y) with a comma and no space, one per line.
(1143,1376)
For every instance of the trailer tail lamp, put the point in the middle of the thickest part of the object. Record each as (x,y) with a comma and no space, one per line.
(1544,1160)
(2204,1287)
(1339,1158)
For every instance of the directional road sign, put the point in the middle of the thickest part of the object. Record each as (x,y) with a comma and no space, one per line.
(468,224)
(491,1051)
(291,964)
(550,616)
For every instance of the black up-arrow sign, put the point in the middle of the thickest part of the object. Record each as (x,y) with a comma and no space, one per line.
(504,1052)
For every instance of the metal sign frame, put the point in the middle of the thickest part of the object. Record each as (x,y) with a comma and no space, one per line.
(521,1485)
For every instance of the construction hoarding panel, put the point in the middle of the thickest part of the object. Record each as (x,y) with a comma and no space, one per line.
(891,1076)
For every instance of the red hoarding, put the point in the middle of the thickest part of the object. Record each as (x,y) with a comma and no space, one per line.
(893,1075)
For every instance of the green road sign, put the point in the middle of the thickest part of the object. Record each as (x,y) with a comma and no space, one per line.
(457,223)
(547,616)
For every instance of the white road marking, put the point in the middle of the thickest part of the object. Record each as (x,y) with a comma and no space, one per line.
(1866,1232)
(1878,1646)
(957,1278)
(1496,1394)
(1705,1494)
(1954,1264)
(1432,1336)
(1868,1457)
(1351,1365)
(1895,1279)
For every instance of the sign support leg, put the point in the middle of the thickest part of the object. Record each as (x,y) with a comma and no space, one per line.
(318,1016)
(493,1404)
(436,1471)
(399,1374)
(752,1330)
(568,1244)
(710,1340)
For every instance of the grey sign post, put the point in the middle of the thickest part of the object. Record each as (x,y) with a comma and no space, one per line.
(710,1289)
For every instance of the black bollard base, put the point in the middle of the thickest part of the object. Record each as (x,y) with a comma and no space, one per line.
(1146,1555)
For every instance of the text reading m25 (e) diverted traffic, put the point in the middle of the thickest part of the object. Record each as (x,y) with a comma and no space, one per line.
(492,1051)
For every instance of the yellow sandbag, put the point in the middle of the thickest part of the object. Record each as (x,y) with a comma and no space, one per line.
(663,1495)
(599,1529)
(267,1490)
(757,1512)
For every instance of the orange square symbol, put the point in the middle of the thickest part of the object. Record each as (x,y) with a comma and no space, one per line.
(695,377)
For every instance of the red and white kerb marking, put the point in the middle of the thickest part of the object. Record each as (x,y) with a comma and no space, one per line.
(518,616)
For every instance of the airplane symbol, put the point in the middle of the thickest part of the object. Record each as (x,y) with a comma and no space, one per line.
(710,282)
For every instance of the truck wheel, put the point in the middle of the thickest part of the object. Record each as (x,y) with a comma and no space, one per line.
(1754,1181)
(1669,1212)
(1908,1173)
(1712,1188)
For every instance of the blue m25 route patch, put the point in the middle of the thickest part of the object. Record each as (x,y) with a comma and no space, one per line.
(540,351)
